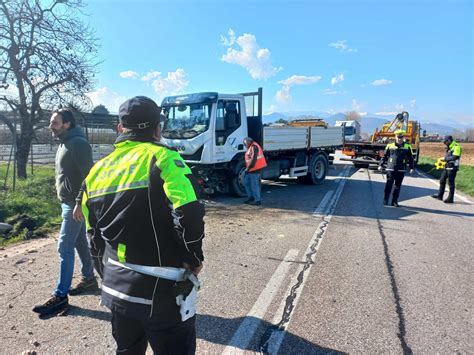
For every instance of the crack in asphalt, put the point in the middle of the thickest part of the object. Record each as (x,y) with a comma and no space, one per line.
(289,305)
(290,300)
(393,282)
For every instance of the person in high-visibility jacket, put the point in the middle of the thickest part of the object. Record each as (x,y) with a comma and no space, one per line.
(254,163)
(396,158)
(452,159)
(145,224)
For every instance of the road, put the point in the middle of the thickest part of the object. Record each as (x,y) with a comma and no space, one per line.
(316,269)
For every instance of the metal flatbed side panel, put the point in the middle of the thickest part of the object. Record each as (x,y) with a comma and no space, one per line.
(326,137)
(285,138)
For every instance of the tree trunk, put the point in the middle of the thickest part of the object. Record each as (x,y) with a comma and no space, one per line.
(23,144)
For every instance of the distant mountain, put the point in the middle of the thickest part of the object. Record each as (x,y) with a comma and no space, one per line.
(368,123)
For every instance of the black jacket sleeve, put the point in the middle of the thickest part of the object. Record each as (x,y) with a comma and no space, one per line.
(411,163)
(189,226)
(385,157)
(97,243)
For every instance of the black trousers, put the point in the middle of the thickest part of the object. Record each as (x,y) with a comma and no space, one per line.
(165,337)
(449,175)
(393,177)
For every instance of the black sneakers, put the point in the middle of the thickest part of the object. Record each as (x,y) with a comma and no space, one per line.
(249,201)
(255,203)
(436,196)
(83,286)
(395,204)
(448,201)
(52,305)
(385,202)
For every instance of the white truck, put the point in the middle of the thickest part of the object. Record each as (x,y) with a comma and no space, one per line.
(351,130)
(208,130)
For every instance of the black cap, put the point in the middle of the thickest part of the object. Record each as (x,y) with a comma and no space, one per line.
(448,139)
(139,112)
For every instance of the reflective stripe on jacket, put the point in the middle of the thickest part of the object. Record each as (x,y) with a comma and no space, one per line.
(255,163)
(397,156)
(141,207)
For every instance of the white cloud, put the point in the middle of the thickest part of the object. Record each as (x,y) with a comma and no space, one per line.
(337,79)
(230,40)
(413,103)
(399,107)
(300,80)
(332,92)
(174,83)
(283,96)
(342,46)
(386,113)
(104,96)
(151,75)
(248,54)
(129,74)
(381,82)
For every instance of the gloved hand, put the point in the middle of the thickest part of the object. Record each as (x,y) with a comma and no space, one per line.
(411,171)
(380,168)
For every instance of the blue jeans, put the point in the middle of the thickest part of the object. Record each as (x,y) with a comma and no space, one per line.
(72,236)
(252,185)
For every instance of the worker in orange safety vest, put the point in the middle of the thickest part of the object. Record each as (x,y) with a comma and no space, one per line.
(255,162)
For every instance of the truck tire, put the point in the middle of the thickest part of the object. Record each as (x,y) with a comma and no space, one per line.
(237,181)
(318,168)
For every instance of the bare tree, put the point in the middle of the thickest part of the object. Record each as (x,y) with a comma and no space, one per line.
(469,134)
(47,59)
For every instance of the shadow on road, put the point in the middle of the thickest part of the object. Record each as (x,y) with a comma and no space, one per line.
(215,330)
(356,199)
(75,311)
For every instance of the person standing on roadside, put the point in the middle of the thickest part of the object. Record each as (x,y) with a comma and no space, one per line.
(254,162)
(452,159)
(145,221)
(396,158)
(73,162)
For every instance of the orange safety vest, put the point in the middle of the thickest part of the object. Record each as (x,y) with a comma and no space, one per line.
(260,163)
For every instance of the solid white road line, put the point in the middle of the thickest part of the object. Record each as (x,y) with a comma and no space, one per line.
(462,198)
(322,206)
(249,325)
(276,338)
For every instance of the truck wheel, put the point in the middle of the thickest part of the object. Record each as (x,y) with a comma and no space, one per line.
(238,180)
(318,168)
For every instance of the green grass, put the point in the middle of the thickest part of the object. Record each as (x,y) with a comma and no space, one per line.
(35,197)
(464,178)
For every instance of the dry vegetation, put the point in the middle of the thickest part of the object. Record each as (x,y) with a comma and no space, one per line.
(436,150)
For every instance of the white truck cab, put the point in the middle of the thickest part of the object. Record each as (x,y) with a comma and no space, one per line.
(208,130)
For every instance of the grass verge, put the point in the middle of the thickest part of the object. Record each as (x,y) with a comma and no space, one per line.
(34,197)
(464,177)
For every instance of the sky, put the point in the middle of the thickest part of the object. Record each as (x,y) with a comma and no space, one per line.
(375,57)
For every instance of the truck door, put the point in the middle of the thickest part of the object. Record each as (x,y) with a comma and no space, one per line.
(228,121)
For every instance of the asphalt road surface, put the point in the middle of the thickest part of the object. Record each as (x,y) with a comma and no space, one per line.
(315,269)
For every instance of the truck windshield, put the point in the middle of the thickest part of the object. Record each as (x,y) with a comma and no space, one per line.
(186,121)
